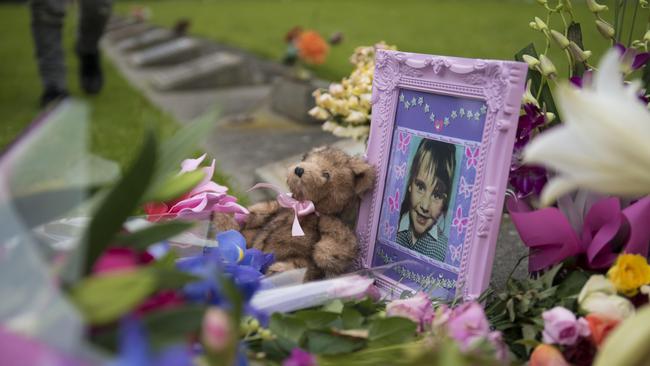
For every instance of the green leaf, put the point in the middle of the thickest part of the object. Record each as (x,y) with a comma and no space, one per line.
(393,330)
(352,319)
(179,147)
(572,285)
(174,187)
(278,349)
(325,343)
(535,76)
(287,327)
(104,298)
(169,326)
(334,306)
(120,202)
(549,276)
(574,33)
(317,319)
(141,239)
(171,278)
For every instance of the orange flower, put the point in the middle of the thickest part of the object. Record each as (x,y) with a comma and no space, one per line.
(312,48)
(600,325)
(547,355)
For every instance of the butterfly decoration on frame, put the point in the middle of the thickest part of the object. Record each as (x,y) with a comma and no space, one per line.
(400,170)
(388,229)
(465,188)
(472,157)
(459,221)
(455,251)
(403,142)
(393,202)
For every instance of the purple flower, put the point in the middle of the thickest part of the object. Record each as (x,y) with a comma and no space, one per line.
(417,308)
(299,357)
(468,324)
(561,327)
(527,180)
(632,59)
(529,121)
(583,81)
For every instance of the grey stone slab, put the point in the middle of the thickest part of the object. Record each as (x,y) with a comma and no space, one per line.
(119,22)
(214,70)
(293,98)
(171,52)
(146,39)
(127,31)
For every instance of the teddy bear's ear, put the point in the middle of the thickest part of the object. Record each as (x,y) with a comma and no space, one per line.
(364,175)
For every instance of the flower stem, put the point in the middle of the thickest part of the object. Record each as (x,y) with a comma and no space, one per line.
(636,9)
(622,22)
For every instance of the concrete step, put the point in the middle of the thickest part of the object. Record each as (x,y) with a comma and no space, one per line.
(214,70)
(171,52)
(146,39)
(127,31)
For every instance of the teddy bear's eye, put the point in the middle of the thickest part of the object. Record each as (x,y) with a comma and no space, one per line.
(304,156)
(326,175)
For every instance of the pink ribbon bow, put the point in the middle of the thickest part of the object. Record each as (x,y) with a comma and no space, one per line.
(607,231)
(285,199)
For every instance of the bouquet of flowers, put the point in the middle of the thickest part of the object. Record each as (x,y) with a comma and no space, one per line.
(345,106)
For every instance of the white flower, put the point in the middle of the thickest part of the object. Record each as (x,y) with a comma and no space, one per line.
(596,283)
(603,143)
(613,306)
(319,113)
(336,89)
(356,117)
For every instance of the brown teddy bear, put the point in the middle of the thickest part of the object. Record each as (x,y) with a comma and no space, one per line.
(333,181)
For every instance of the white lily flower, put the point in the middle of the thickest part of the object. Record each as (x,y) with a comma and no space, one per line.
(603,143)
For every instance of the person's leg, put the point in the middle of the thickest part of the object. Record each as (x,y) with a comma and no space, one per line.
(47,24)
(94,15)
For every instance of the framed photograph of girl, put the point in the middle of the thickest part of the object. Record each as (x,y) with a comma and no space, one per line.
(441,139)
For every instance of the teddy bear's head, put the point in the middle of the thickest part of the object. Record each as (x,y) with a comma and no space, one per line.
(330,178)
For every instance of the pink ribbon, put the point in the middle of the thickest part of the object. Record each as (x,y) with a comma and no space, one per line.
(285,199)
(607,231)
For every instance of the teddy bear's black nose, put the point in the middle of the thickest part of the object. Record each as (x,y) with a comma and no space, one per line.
(299,171)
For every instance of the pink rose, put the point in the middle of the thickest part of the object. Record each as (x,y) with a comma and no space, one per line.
(216,330)
(562,327)
(468,324)
(417,308)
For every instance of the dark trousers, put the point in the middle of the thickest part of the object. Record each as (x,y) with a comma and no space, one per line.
(47,24)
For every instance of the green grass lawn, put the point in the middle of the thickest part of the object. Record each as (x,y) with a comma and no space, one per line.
(119,114)
(467,28)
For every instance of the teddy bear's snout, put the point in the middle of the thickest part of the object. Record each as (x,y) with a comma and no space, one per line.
(299,171)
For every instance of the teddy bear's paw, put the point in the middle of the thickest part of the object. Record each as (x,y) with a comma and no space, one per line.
(278,267)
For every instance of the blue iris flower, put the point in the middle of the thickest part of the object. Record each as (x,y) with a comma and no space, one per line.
(134,348)
(230,259)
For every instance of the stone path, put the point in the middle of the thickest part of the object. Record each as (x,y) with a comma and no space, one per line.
(188,76)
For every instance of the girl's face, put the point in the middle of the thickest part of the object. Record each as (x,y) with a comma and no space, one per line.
(426,201)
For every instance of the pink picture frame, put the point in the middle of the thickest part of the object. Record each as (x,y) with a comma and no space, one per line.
(441,139)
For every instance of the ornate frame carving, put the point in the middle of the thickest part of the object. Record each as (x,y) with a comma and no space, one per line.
(501,85)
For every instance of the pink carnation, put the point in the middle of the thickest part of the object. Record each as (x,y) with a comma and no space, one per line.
(562,327)
(417,308)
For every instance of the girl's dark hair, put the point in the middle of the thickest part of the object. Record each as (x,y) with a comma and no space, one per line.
(439,159)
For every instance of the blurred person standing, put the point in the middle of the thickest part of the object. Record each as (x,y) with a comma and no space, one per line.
(47,30)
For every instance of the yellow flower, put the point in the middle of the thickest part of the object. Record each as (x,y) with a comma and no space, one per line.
(630,272)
